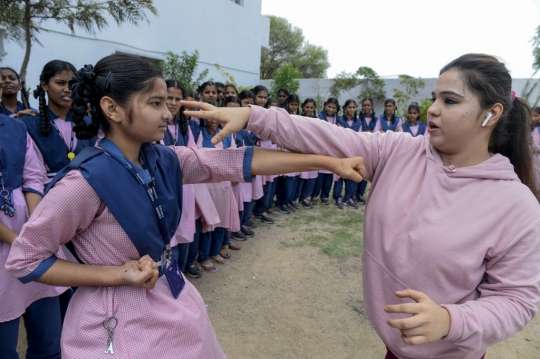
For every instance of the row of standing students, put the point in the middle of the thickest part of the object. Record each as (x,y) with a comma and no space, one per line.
(116,200)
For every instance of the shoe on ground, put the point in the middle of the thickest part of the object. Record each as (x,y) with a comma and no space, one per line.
(291,208)
(194,271)
(270,211)
(325,201)
(361,199)
(250,224)
(314,201)
(239,236)
(247,232)
(294,204)
(264,218)
(284,209)
(351,203)
(305,203)
(339,203)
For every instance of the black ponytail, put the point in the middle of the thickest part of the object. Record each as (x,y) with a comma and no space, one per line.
(117,76)
(39,93)
(490,80)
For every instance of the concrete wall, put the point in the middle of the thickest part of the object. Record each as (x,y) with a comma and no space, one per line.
(223,32)
(313,87)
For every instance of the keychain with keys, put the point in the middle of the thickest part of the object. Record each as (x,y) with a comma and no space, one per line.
(6,196)
(110,324)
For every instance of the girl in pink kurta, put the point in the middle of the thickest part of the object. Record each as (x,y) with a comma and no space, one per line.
(120,206)
(388,121)
(307,180)
(535,133)
(447,272)
(21,180)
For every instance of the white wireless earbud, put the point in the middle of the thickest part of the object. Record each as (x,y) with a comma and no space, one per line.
(488,117)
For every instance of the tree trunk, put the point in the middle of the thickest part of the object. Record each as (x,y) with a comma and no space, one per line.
(28,39)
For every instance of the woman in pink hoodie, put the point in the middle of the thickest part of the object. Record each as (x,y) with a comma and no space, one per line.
(447,270)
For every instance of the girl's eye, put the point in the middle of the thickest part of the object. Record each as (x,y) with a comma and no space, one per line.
(432,99)
(450,101)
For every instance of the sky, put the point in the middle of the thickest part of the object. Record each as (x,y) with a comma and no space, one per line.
(414,37)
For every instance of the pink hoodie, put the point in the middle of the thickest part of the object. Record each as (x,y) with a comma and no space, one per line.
(469,238)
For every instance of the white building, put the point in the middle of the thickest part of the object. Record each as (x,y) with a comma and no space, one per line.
(227,32)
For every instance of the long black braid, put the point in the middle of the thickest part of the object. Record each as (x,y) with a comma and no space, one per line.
(39,93)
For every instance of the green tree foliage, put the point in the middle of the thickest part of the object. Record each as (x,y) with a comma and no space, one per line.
(182,68)
(230,80)
(287,45)
(286,77)
(424,105)
(402,98)
(369,83)
(23,18)
(531,90)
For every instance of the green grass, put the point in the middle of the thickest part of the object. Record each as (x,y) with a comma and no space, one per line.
(337,233)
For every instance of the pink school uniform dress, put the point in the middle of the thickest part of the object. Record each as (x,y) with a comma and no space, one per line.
(385,124)
(535,133)
(16,296)
(148,320)
(447,235)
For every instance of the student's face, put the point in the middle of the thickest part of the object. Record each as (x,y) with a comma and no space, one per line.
(212,125)
(293,107)
(260,98)
(535,119)
(246,102)
(149,115)
(233,104)
(309,109)
(221,93)
(389,109)
(57,89)
(282,97)
(174,96)
(413,115)
(351,109)
(11,84)
(209,93)
(367,107)
(331,109)
(229,91)
(272,104)
(1,84)
(457,115)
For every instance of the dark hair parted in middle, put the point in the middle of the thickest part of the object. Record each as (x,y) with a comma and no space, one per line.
(117,76)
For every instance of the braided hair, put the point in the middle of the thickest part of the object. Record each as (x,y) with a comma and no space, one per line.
(50,69)
(117,76)
(180,115)
(24,90)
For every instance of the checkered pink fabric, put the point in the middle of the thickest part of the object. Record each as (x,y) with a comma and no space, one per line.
(149,322)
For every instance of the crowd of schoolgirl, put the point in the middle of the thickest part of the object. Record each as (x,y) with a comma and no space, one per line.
(34,146)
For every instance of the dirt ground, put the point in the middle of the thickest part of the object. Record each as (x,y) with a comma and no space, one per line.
(282,296)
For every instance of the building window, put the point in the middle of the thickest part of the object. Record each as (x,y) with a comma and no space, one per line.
(239,2)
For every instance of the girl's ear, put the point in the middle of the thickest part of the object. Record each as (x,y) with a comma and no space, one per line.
(111,109)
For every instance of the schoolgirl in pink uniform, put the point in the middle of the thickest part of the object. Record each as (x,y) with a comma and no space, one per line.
(447,272)
(307,180)
(369,121)
(132,299)
(388,121)
(413,124)
(325,179)
(230,90)
(535,134)
(21,182)
(9,104)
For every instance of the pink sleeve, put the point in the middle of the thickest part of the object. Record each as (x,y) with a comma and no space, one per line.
(399,127)
(508,296)
(536,140)
(209,165)
(377,127)
(33,172)
(297,135)
(68,208)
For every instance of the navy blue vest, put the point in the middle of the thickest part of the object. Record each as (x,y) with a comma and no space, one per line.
(322,116)
(421,128)
(355,125)
(52,147)
(384,124)
(371,126)
(127,199)
(207,138)
(12,150)
(181,140)
(245,138)
(5,111)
